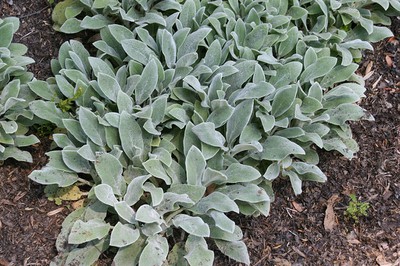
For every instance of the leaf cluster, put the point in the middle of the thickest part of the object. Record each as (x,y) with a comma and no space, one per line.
(189,110)
(15,116)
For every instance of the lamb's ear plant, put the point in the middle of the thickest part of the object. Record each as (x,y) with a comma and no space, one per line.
(15,116)
(188,111)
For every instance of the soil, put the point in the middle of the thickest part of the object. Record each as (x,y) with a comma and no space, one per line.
(310,229)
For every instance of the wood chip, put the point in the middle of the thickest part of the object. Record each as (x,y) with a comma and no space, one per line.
(54,212)
(367,76)
(376,82)
(393,41)
(387,193)
(298,251)
(389,61)
(298,207)
(381,260)
(281,262)
(330,220)
(369,68)
(352,238)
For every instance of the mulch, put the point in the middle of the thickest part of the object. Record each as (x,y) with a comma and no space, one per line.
(295,232)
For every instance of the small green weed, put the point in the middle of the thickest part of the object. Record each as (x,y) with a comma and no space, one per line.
(66,105)
(356,209)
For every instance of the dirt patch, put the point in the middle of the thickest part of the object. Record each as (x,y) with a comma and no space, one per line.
(294,233)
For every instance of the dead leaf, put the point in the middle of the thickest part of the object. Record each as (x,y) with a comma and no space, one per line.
(298,207)
(78,204)
(330,217)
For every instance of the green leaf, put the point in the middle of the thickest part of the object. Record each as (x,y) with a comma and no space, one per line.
(75,162)
(239,120)
(129,255)
(82,232)
(135,189)
(192,225)
(246,193)
(109,169)
(276,148)
(289,44)
(338,74)
(197,251)
(6,31)
(195,166)
(318,69)
(109,86)
(309,172)
(42,89)
(91,126)
(192,41)
(88,255)
(213,54)
(283,100)
(245,71)
(125,212)
(222,221)
(156,193)
(215,201)
(71,25)
(146,214)
(49,175)
(95,22)
(295,181)
(155,168)
(272,171)
(105,194)
(256,38)
(74,128)
(97,4)
(255,91)
(123,235)
(168,48)
(155,252)
(48,111)
(101,67)
(286,74)
(137,50)
(347,112)
(237,173)
(147,83)
(131,135)
(222,111)
(187,14)
(207,134)
(234,249)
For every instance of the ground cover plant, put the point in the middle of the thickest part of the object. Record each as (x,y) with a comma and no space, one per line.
(196,130)
(15,95)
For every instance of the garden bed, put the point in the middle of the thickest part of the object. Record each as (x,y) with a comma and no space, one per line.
(295,231)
